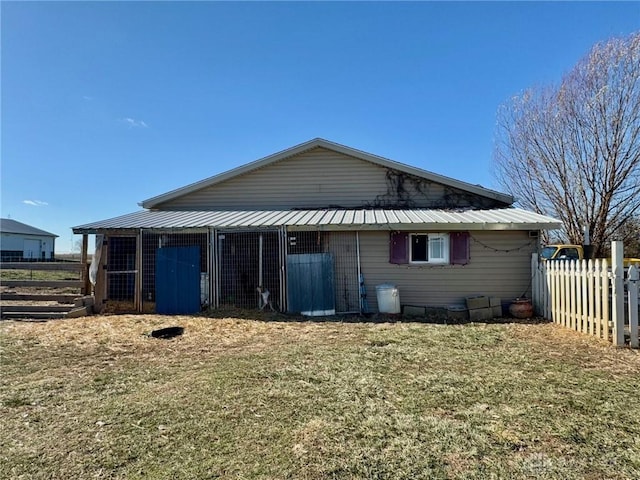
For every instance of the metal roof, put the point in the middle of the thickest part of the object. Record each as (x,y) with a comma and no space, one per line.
(328,219)
(9,225)
(320,142)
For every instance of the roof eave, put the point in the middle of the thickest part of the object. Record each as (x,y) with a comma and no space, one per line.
(449,227)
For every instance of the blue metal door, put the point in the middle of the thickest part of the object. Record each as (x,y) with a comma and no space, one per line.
(178,280)
(310,285)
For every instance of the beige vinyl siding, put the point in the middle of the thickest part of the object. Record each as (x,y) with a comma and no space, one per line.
(500,274)
(314,179)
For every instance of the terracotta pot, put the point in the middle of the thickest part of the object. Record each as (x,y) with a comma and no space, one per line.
(521,308)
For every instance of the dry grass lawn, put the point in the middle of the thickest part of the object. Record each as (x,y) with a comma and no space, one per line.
(238,398)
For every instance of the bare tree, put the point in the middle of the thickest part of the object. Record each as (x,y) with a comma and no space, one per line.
(630,235)
(573,150)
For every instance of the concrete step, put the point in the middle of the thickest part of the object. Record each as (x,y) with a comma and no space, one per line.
(26,297)
(42,283)
(36,308)
(10,315)
(44,312)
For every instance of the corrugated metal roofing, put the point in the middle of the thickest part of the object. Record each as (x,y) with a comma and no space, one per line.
(495,219)
(9,225)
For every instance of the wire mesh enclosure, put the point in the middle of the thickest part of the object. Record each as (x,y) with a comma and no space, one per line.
(249,269)
(121,269)
(344,251)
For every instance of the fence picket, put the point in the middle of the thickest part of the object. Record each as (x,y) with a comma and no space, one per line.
(597,291)
(566,294)
(593,330)
(604,295)
(575,294)
(554,277)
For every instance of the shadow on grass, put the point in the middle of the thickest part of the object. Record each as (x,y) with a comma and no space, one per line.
(432,316)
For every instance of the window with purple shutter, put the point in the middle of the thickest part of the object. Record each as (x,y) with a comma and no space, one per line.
(459,248)
(398,248)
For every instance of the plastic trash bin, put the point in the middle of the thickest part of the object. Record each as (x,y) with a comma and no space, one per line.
(388,298)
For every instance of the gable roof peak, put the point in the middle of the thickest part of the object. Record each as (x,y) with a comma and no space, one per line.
(9,225)
(336,147)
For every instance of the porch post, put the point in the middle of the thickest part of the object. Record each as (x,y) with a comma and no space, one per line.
(215,247)
(211,266)
(100,289)
(86,284)
(283,269)
(138,301)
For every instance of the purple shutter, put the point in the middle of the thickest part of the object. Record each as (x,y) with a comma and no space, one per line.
(459,247)
(399,248)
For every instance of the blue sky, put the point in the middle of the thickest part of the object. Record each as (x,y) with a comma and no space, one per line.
(107,104)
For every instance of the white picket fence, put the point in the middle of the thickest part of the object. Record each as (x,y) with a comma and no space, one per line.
(589,296)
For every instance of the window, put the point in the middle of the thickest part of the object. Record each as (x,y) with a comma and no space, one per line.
(568,254)
(429,248)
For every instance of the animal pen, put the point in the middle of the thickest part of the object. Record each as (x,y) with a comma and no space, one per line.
(184,271)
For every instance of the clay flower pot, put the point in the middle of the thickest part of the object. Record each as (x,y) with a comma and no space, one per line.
(521,308)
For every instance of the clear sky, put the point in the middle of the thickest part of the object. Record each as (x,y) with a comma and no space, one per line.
(106,104)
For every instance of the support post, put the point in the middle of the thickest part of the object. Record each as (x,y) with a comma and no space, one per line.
(283,269)
(536,295)
(101,277)
(360,278)
(86,284)
(260,285)
(632,281)
(138,300)
(617,297)
(211,236)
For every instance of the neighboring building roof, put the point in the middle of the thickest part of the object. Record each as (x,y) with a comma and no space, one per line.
(319,142)
(8,225)
(348,219)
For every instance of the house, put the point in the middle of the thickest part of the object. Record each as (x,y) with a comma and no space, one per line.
(20,242)
(311,229)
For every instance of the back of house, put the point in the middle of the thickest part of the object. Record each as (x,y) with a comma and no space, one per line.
(315,229)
